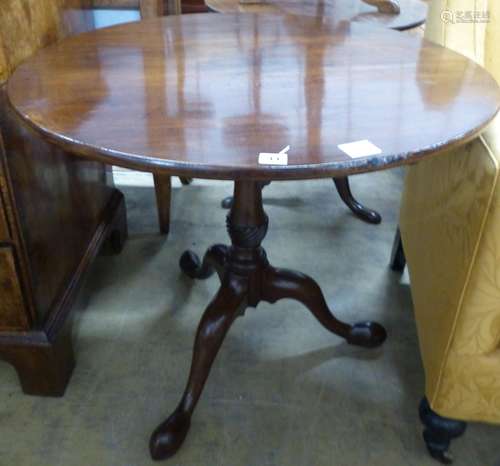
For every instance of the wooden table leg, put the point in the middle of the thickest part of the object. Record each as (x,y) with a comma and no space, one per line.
(163,191)
(246,279)
(358,209)
(344,190)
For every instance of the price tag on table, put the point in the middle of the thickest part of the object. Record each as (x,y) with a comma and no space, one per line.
(358,149)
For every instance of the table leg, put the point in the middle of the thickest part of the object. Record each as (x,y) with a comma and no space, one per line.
(358,209)
(246,279)
(344,190)
(218,317)
(227,202)
(288,284)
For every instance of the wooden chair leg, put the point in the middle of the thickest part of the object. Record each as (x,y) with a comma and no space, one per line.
(163,192)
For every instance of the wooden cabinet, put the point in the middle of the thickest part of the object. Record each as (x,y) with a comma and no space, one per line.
(56,212)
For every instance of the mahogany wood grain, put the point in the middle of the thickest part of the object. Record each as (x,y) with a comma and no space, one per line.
(412,12)
(12,298)
(320,84)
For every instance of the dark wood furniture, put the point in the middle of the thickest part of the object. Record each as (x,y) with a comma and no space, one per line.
(56,212)
(404,99)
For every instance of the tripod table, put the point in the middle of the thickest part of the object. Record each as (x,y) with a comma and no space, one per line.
(337,98)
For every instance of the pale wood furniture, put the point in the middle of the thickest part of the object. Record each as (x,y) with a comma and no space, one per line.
(56,211)
(398,98)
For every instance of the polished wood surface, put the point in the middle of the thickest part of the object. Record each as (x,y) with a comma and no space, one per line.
(412,12)
(275,81)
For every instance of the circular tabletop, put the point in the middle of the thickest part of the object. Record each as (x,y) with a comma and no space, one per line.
(203,95)
(413,12)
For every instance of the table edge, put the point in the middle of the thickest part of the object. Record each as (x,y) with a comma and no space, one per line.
(267,172)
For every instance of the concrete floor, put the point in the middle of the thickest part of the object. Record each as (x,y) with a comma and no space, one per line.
(283,390)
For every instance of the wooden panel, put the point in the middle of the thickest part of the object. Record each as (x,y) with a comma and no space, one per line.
(59,200)
(13,311)
(4,230)
(31,24)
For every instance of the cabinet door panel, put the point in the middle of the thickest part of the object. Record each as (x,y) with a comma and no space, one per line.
(13,310)
(4,230)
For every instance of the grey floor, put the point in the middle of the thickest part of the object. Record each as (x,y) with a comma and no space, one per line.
(283,390)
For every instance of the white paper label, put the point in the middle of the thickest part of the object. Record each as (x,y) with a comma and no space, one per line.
(357,149)
(274,158)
